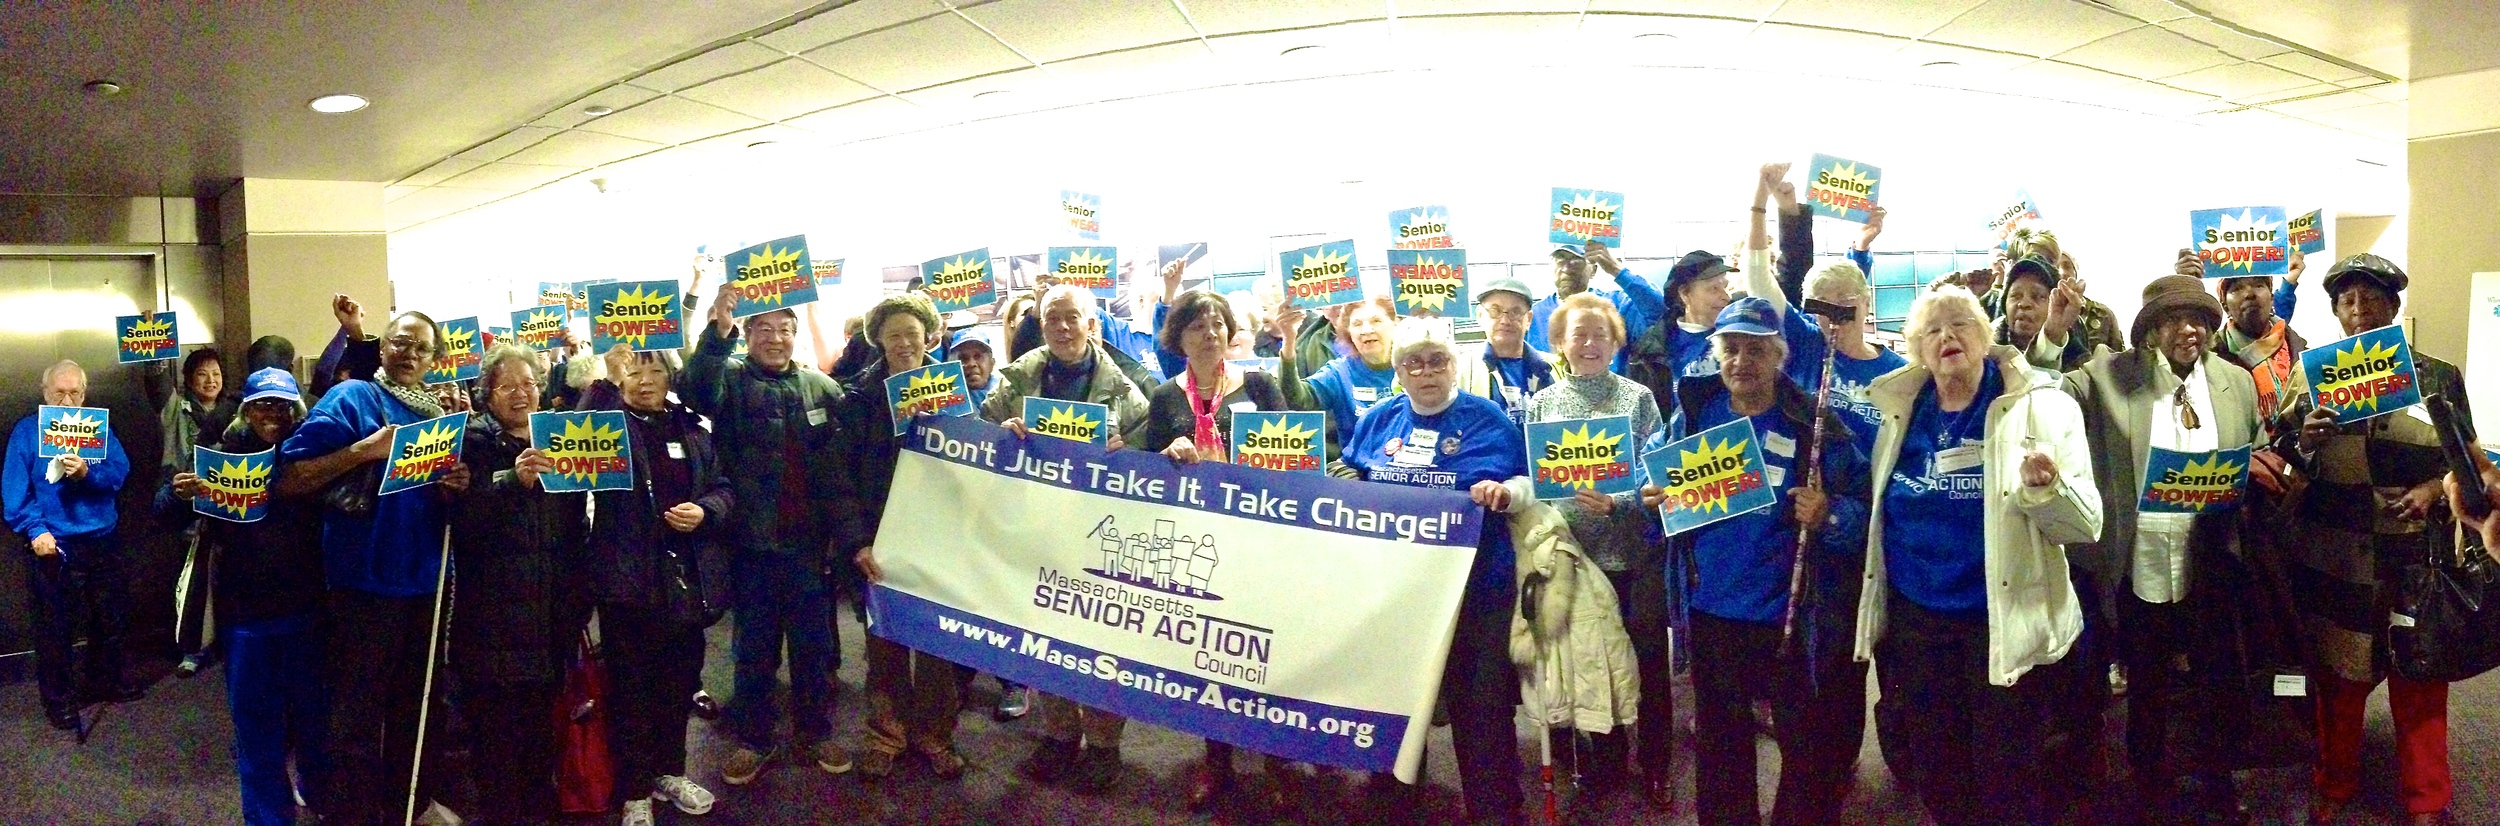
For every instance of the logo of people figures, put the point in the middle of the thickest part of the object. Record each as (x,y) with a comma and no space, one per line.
(1159,557)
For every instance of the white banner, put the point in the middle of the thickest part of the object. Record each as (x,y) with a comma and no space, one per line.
(1292,614)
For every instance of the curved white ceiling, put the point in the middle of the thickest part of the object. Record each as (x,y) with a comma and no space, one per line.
(877,69)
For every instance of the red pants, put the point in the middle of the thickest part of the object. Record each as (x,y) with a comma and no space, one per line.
(2421,711)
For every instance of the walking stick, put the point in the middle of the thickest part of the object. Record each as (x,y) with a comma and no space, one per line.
(1812,457)
(425,702)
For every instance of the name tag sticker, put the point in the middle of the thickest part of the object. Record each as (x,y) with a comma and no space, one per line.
(2399,620)
(1780,444)
(676,450)
(1420,450)
(2291,685)
(816,416)
(1778,476)
(1245,407)
(1953,460)
(1366,394)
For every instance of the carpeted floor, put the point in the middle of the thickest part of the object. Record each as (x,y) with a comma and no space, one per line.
(165,760)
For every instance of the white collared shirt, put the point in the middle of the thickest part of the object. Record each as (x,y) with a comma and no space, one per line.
(2160,571)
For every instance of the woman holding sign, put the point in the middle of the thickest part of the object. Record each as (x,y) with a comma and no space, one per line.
(383,554)
(1435,436)
(2192,602)
(1973,444)
(912,696)
(518,550)
(1191,418)
(658,566)
(2368,506)
(1735,577)
(1349,386)
(1587,332)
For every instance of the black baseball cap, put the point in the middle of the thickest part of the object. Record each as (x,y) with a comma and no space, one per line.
(2032,266)
(1695,266)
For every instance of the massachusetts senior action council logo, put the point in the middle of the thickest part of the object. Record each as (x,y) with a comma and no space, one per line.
(1161,560)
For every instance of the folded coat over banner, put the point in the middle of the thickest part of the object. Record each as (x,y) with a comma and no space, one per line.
(1297,615)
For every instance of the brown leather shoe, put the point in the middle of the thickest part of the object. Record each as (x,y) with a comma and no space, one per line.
(1206,783)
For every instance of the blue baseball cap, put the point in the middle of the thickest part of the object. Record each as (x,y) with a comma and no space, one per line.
(271,383)
(982,335)
(1748,316)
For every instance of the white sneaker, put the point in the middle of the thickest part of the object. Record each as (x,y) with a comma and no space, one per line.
(637,813)
(690,798)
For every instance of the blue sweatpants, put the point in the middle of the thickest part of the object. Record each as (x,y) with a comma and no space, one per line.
(275,693)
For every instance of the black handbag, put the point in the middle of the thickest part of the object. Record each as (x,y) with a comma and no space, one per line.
(2446,623)
(355,492)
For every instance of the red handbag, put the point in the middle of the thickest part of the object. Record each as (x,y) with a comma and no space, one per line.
(585,775)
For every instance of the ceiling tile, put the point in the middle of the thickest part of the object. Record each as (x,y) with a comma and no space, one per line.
(786,89)
(509,177)
(2239,81)
(1780,46)
(2058,81)
(2156,99)
(849,20)
(2307,106)
(1348,48)
(395,192)
(1055,30)
(1972,63)
(580,148)
(2230,42)
(1738,9)
(925,53)
(672,120)
(616,97)
(2149,11)
(1140,71)
(1475,42)
(1602,32)
(871,118)
(1899,19)
(743,140)
(507,143)
(434,202)
(1234,16)
(2032,27)
(2390,92)
(2146,52)
(693,71)
(674,163)
(2385,121)
(2312,67)
(442,169)
(1423,8)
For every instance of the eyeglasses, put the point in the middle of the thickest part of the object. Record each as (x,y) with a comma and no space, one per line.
(1425,363)
(1501,313)
(524,387)
(406,344)
(2187,413)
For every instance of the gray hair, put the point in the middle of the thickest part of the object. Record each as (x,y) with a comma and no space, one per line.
(55,370)
(1084,299)
(1929,304)
(1418,334)
(1841,280)
(505,353)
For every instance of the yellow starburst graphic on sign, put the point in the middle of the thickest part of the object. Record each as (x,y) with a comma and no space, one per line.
(241,479)
(76,422)
(1585,204)
(1577,449)
(1274,438)
(1845,177)
(539,322)
(581,432)
(634,304)
(921,393)
(958,272)
(1066,423)
(1084,264)
(1323,263)
(1706,455)
(1437,281)
(435,439)
(147,328)
(2245,225)
(769,263)
(2359,365)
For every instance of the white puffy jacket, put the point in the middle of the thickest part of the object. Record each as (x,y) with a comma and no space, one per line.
(1576,657)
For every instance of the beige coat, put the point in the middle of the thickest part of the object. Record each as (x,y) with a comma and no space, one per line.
(2033,616)
(1576,656)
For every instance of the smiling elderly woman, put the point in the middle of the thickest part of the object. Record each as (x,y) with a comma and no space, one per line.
(1973,444)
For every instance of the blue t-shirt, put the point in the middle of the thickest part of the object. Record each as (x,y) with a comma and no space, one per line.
(1470,441)
(1691,352)
(1514,380)
(1743,561)
(1851,379)
(1347,388)
(1935,507)
(395,551)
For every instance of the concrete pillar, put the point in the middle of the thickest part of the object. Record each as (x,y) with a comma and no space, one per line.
(2454,219)
(289,245)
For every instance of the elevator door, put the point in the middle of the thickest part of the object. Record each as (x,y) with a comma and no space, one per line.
(53,308)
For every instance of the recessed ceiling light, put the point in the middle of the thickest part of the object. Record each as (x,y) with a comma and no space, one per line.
(762,144)
(1305,51)
(2371,162)
(337,104)
(990,93)
(1941,65)
(1654,37)
(598,111)
(104,88)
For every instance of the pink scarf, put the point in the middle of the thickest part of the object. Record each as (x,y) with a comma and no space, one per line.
(1202,413)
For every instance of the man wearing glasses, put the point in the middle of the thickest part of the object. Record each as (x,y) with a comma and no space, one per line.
(773,419)
(2176,576)
(1513,371)
(383,556)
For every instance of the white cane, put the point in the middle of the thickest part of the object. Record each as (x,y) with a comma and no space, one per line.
(425,702)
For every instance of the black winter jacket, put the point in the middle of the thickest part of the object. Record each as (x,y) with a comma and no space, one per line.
(760,417)
(268,569)
(634,558)
(518,601)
